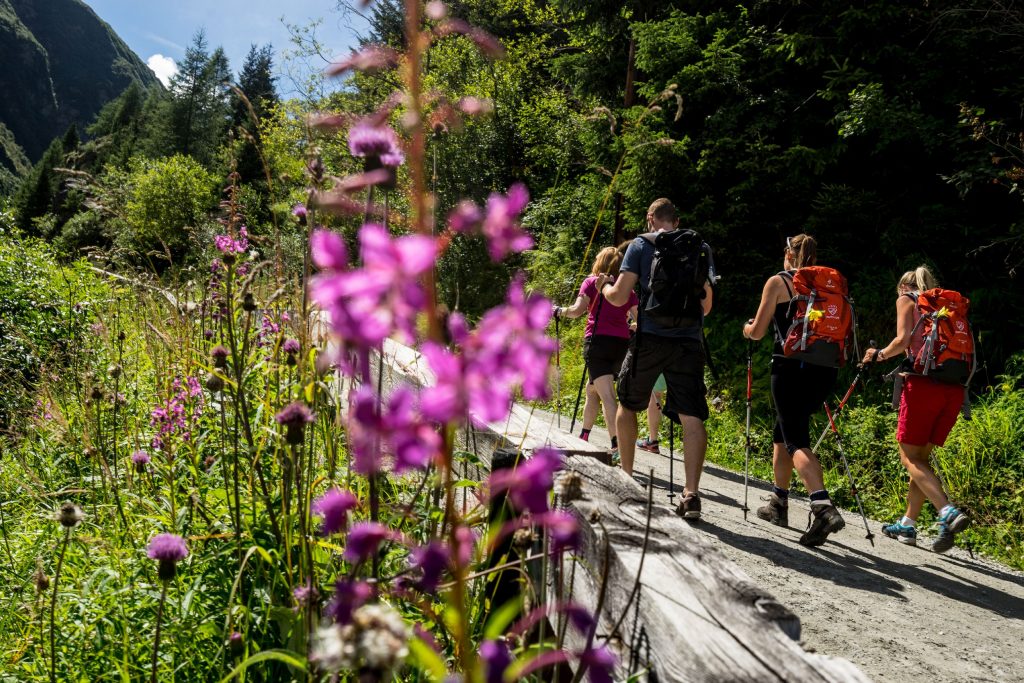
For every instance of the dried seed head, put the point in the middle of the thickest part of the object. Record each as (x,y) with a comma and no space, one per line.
(114,371)
(39,578)
(70,515)
(96,393)
(248,303)
(523,538)
(571,487)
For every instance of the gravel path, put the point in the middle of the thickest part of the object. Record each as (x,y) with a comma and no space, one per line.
(900,613)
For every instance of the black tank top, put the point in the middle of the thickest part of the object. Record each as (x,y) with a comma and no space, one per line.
(781,318)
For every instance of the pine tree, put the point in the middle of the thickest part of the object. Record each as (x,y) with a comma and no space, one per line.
(197,112)
(38,191)
(256,81)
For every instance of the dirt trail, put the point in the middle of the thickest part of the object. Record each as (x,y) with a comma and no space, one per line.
(900,613)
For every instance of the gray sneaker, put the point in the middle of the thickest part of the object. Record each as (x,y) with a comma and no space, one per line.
(822,520)
(776,511)
(689,506)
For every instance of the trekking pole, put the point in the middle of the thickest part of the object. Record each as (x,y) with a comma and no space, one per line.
(671,462)
(579,395)
(746,459)
(849,392)
(853,485)
(558,372)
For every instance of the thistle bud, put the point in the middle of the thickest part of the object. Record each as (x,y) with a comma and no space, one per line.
(70,515)
(248,303)
(214,382)
(114,371)
(96,393)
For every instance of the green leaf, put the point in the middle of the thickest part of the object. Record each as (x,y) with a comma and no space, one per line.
(501,618)
(292,659)
(425,658)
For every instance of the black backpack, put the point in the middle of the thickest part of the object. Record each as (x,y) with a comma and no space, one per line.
(680,268)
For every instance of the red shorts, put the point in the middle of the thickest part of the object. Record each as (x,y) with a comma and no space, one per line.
(928,411)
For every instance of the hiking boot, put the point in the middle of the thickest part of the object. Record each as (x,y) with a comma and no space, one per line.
(901,532)
(689,506)
(645,444)
(950,524)
(776,511)
(822,520)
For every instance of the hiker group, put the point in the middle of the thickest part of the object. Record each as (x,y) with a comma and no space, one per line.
(644,349)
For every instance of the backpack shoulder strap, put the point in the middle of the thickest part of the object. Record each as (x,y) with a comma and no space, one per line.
(787,278)
(649,237)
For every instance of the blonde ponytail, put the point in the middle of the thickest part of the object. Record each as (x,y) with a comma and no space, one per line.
(920,279)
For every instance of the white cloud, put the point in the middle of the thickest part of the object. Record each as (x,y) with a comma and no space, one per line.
(163,67)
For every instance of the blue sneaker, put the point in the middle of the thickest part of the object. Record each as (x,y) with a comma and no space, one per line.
(902,533)
(950,524)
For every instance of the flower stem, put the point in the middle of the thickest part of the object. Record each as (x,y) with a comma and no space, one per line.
(156,638)
(53,606)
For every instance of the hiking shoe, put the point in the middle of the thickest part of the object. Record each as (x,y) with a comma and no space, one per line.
(613,458)
(822,520)
(689,506)
(950,524)
(901,532)
(646,444)
(776,511)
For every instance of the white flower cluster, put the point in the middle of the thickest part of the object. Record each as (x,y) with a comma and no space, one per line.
(376,639)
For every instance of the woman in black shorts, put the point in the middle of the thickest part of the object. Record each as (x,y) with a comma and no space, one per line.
(798,389)
(605,341)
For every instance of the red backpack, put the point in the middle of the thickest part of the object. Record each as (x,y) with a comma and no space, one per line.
(822,315)
(945,351)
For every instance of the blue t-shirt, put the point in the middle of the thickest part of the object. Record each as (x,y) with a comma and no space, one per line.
(637,259)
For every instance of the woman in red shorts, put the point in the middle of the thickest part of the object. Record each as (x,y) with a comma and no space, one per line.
(928,411)
(605,341)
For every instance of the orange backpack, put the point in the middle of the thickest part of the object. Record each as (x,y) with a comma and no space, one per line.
(822,317)
(945,351)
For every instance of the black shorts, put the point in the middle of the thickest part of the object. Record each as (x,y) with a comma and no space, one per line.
(799,390)
(603,355)
(682,363)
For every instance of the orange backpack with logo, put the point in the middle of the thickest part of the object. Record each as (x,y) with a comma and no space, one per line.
(823,320)
(945,351)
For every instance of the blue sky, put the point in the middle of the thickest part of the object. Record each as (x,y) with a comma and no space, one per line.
(157,29)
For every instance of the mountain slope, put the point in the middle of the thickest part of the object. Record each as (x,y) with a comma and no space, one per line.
(62,63)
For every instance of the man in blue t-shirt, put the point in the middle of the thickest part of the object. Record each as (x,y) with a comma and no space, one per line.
(676,352)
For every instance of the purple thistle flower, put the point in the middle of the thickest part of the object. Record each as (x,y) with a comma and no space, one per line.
(294,417)
(413,442)
(496,658)
(291,346)
(220,354)
(300,213)
(465,217)
(509,348)
(328,250)
(140,459)
(369,304)
(600,663)
(236,644)
(168,550)
(430,561)
(529,483)
(348,597)
(364,539)
(305,595)
(563,530)
(368,140)
(334,507)
(371,58)
(501,226)
(226,244)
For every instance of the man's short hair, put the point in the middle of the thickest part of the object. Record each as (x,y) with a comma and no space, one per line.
(663,210)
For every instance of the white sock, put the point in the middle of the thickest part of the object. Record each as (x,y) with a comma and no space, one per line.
(907,521)
(943,511)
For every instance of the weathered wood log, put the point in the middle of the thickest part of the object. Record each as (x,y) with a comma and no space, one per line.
(695,615)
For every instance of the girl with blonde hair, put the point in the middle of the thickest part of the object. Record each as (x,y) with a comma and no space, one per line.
(928,411)
(605,340)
